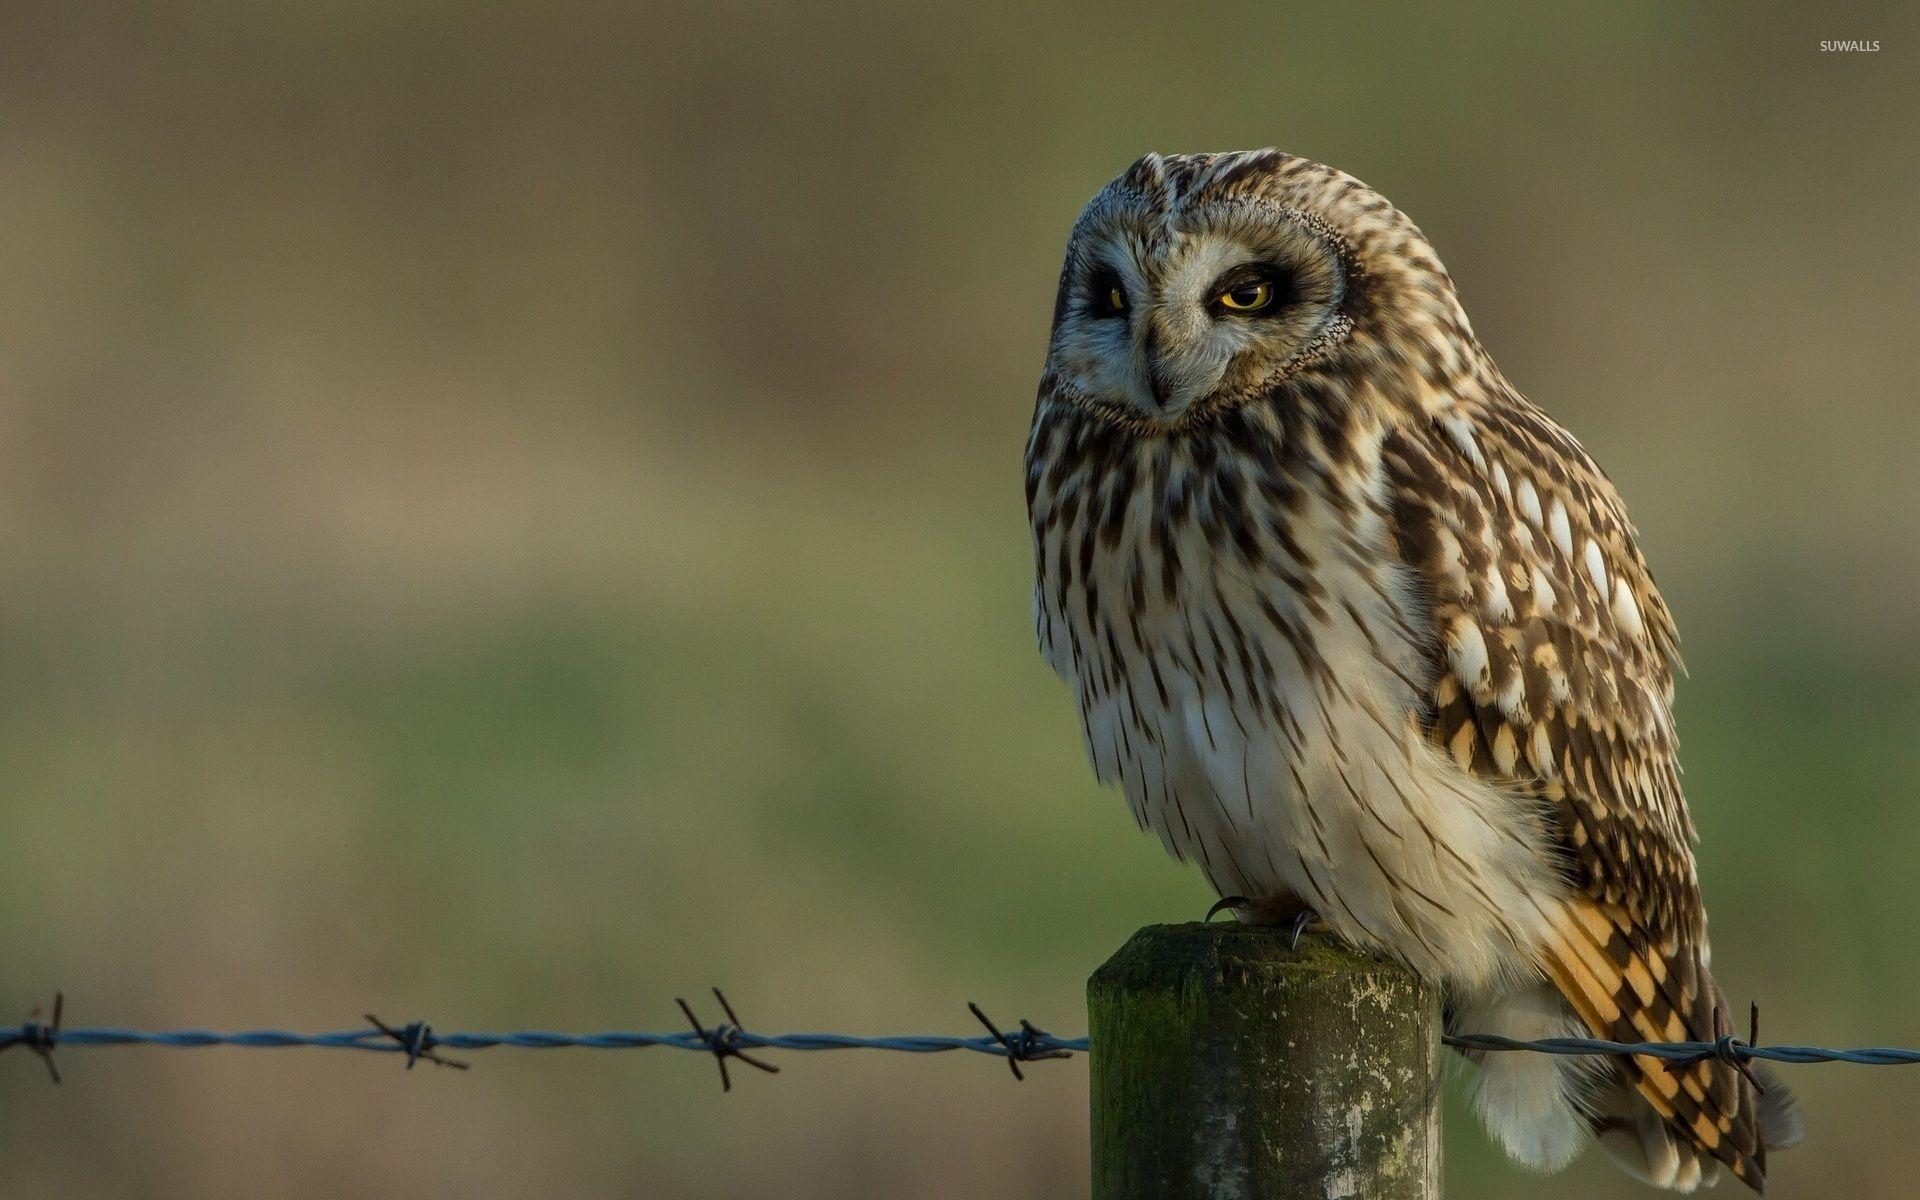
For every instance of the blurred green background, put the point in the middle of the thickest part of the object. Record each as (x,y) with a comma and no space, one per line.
(512,516)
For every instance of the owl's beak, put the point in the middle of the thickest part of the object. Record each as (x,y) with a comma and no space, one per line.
(1157,382)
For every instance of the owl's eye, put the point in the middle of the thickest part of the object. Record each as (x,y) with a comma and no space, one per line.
(1106,296)
(1254,290)
(1247,298)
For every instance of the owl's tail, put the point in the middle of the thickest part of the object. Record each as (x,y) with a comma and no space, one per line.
(1672,1126)
(1643,1141)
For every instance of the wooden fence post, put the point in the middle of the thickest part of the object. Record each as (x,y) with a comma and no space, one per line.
(1227,1066)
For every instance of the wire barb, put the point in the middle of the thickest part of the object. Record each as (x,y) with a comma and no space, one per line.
(1728,1048)
(418,1041)
(1031,1045)
(39,1037)
(723,1040)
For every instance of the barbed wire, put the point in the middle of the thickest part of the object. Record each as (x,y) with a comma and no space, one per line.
(419,1042)
(729,1039)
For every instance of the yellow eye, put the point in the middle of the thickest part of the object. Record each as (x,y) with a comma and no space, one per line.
(1116,299)
(1247,298)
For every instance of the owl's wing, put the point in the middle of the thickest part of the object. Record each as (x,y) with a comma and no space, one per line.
(1554,661)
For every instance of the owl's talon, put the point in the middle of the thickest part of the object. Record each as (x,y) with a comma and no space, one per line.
(1224,903)
(1301,920)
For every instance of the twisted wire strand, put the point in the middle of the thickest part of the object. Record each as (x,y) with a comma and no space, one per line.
(1731,1049)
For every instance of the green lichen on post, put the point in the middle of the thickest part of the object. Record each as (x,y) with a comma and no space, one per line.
(1226,1065)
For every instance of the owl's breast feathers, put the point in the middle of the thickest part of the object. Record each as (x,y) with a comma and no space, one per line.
(1250,662)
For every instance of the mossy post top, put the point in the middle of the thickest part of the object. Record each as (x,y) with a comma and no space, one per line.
(1228,1063)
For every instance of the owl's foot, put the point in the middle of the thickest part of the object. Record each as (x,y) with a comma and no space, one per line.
(1289,913)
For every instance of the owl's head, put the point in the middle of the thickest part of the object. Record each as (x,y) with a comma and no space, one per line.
(1197,282)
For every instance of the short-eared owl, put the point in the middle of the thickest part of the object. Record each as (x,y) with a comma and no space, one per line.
(1366,634)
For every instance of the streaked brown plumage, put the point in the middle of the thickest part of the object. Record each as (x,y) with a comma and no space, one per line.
(1363,631)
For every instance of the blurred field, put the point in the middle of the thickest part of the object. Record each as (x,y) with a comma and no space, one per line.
(510,517)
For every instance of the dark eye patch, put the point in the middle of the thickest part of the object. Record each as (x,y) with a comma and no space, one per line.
(1106,295)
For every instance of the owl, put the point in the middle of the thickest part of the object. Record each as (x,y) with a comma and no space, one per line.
(1369,637)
